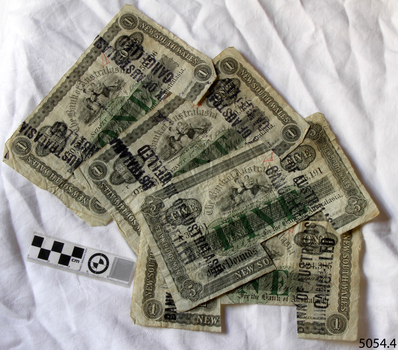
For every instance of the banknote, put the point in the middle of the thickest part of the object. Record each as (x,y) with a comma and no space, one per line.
(177,137)
(152,304)
(205,227)
(130,67)
(326,294)
(317,270)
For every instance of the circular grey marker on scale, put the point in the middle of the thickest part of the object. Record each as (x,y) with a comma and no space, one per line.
(98,263)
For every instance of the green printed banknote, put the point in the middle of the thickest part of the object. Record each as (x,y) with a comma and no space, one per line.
(326,292)
(130,67)
(317,271)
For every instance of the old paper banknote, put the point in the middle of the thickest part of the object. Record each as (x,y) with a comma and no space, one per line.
(206,226)
(131,66)
(152,304)
(327,291)
(177,137)
(317,271)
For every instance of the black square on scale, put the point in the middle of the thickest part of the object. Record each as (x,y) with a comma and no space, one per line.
(44,254)
(57,247)
(37,241)
(64,260)
(77,252)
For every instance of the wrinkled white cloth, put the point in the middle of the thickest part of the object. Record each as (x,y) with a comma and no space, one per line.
(336,57)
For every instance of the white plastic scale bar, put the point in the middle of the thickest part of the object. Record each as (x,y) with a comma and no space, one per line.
(79,259)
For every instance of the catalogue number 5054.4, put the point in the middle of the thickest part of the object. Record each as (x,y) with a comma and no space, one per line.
(376,342)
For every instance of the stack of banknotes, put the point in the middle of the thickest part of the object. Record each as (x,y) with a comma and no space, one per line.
(223,191)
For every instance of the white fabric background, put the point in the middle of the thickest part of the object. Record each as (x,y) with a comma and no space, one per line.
(336,57)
